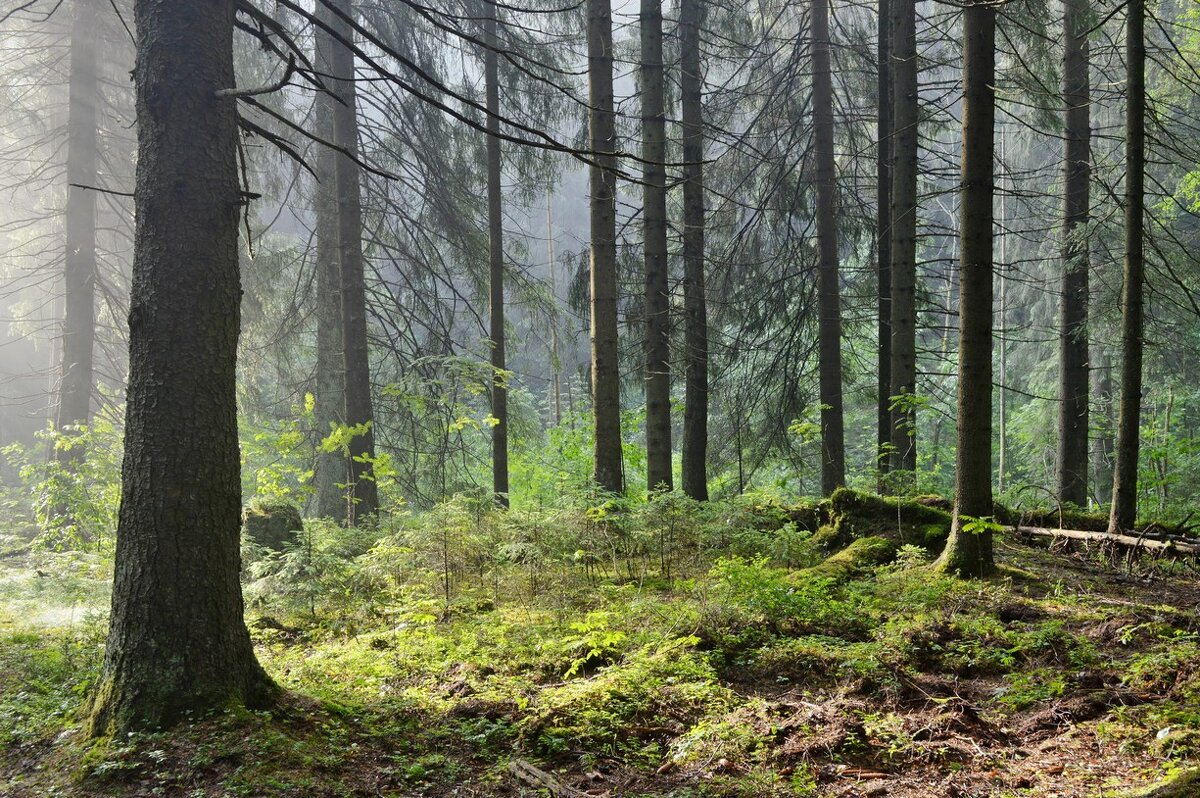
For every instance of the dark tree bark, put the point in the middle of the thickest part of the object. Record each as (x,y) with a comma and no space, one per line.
(177,641)
(1125,473)
(883,234)
(968,550)
(1073,333)
(654,220)
(833,450)
(695,306)
(607,470)
(491,79)
(363,500)
(79,272)
(904,237)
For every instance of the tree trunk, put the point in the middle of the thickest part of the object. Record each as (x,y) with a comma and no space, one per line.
(607,468)
(883,236)
(1102,442)
(79,272)
(330,473)
(1073,333)
(695,334)
(904,238)
(968,550)
(177,641)
(363,498)
(495,261)
(833,450)
(1125,474)
(654,216)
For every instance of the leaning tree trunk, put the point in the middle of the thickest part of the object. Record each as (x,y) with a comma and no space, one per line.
(177,642)
(491,79)
(968,550)
(904,239)
(1124,501)
(363,494)
(606,369)
(833,449)
(79,269)
(883,236)
(1073,333)
(654,220)
(695,309)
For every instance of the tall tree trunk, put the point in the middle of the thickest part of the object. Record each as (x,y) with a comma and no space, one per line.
(1073,332)
(695,306)
(177,642)
(833,450)
(491,78)
(330,472)
(606,370)
(79,273)
(654,216)
(905,100)
(1125,474)
(1102,442)
(883,235)
(363,499)
(555,360)
(969,548)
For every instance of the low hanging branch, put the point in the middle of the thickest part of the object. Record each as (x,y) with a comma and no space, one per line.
(268,89)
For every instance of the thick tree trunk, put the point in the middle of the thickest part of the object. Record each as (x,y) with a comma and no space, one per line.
(1125,474)
(833,450)
(79,272)
(968,550)
(1073,333)
(330,473)
(363,499)
(904,237)
(654,216)
(491,78)
(1102,440)
(695,306)
(607,468)
(883,235)
(177,641)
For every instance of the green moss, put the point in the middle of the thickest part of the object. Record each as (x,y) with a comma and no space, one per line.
(1184,785)
(855,515)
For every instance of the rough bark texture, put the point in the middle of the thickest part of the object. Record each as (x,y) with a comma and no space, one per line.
(654,225)
(364,496)
(495,262)
(330,469)
(606,369)
(1073,333)
(833,449)
(1124,501)
(968,551)
(883,233)
(79,270)
(695,306)
(177,642)
(904,234)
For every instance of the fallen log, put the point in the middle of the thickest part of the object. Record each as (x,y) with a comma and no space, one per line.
(1129,541)
(541,780)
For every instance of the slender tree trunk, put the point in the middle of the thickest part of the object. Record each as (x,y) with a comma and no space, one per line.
(1125,473)
(79,273)
(969,548)
(330,473)
(363,500)
(883,234)
(833,450)
(1073,332)
(606,369)
(904,237)
(177,642)
(555,360)
(491,78)
(1102,443)
(695,305)
(654,216)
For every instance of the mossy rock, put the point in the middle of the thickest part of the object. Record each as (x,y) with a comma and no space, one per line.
(860,556)
(1185,785)
(272,525)
(854,515)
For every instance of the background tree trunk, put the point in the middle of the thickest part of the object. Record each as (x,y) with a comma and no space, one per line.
(1073,333)
(1102,441)
(883,233)
(607,468)
(177,641)
(833,450)
(969,550)
(495,261)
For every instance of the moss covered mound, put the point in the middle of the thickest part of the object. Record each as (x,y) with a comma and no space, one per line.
(272,525)
(854,515)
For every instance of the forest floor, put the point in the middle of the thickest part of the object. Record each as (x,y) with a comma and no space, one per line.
(1062,676)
